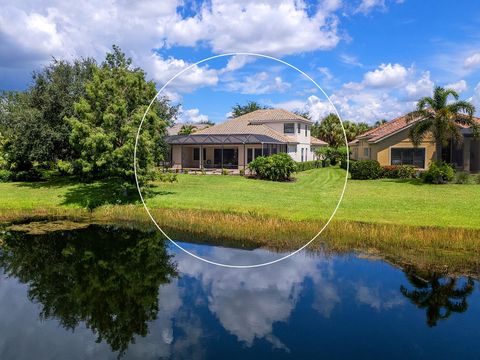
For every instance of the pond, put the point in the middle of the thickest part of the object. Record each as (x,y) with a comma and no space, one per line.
(100,292)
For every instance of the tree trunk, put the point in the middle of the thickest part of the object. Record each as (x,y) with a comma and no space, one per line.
(438,150)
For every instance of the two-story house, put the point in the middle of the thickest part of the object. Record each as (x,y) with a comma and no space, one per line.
(236,142)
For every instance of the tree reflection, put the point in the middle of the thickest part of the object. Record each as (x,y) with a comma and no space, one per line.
(106,277)
(440,295)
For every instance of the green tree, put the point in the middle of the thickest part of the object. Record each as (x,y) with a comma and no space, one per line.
(107,278)
(187,129)
(33,122)
(329,130)
(304,114)
(441,118)
(239,110)
(380,122)
(439,295)
(106,120)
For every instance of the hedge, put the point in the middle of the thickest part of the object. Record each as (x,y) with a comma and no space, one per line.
(365,170)
(308,165)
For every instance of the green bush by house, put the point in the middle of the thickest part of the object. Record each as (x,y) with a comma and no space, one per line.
(308,165)
(398,171)
(365,170)
(278,167)
(439,173)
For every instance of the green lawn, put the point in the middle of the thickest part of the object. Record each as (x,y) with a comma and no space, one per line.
(315,193)
(312,196)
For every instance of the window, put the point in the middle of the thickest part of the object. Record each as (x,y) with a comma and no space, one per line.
(302,155)
(408,156)
(249,155)
(292,149)
(306,130)
(299,127)
(196,154)
(289,128)
(366,152)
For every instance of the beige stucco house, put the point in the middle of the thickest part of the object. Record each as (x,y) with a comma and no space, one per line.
(389,144)
(236,142)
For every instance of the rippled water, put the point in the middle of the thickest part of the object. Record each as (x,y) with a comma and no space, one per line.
(103,292)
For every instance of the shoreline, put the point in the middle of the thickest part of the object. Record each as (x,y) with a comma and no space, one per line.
(454,250)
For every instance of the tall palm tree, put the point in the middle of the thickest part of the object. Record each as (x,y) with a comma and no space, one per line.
(187,129)
(442,118)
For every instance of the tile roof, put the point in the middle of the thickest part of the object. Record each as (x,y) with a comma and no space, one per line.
(253,123)
(383,131)
(173,130)
(318,142)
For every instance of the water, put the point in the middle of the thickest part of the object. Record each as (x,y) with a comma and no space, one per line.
(104,292)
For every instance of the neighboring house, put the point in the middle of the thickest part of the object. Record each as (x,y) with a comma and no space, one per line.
(236,142)
(390,144)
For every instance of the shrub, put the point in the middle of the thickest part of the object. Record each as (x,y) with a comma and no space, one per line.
(398,171)
(477,179)
(462,178)
(167,177)
(343,163)
(225,172)
(439,173)
(278,167)
(333,154)
(64,167)
(308,165)
(28,175)
(242,172)
(5,175)
(365,170)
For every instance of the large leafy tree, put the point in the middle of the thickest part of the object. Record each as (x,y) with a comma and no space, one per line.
(437,116)
(106,120)
(239,110)
(33,122)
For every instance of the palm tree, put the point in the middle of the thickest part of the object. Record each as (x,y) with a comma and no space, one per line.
(442,118)
(187,129)
(439,295)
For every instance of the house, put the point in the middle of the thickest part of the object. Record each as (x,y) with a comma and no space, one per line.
(236,142)
(389,144)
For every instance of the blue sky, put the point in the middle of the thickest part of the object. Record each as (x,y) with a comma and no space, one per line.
(374,58)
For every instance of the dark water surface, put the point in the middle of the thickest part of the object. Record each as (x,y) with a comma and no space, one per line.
(101,292)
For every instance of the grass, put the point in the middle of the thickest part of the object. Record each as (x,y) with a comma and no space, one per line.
(403,220)
(312,197)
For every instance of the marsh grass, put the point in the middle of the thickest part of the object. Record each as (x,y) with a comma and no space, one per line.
(452,250)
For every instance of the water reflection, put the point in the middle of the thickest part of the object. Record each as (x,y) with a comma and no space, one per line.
(438,294)
(122,286)
(102,276)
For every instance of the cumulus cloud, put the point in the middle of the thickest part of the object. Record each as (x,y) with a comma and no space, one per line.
(387,75)
(459,86)
(270,27)
(472,61)
(350,60)
(366,6)
(192,116)
(260,83)
(420,88)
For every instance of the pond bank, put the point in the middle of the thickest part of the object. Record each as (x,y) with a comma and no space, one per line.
(452,250)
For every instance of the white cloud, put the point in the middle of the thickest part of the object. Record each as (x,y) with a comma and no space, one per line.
(163,70)
(420,88)
(325,71)
(459,86)
(366,6)
(376,299)
(475,98)
(472,61)
(387,75)
(350,60)
(192,116)
(260,83)
(275,28)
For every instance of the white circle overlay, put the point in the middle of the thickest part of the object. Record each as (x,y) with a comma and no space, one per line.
(214,262)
